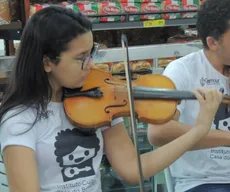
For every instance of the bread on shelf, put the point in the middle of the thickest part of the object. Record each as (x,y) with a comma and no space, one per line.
(102,66)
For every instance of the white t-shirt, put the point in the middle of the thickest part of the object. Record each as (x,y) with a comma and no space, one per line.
(67,160)
(201,166)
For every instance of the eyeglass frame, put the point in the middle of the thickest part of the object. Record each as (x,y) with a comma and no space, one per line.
(92,55)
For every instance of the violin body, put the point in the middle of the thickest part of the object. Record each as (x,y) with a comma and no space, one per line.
(104,98)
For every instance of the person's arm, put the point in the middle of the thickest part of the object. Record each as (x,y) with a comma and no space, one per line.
(121,153)
(18,142)
(21,170)
(159,135)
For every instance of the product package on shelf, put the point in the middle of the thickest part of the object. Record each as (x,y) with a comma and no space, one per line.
(189,35)
(190,5)
(107,8)
(163,62)
(141,67)
(137,7)
(5,12)
(139,1)
(201,2)
(171,5)
(132,7)
(138,67)
(151,7)
(9,11)
(89,8)
(177,5)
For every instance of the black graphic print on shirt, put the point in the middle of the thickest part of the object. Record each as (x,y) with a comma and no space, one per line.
(75,152)
(222,118)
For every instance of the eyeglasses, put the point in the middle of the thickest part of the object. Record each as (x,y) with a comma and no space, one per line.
(85,62)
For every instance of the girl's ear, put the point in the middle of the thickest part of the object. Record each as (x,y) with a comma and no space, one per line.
(47,64)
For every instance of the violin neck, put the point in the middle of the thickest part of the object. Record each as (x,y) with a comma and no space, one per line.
(155,93)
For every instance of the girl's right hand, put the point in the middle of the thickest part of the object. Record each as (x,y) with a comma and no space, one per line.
(209,100)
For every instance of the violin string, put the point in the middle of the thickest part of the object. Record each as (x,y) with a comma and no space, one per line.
(226,98)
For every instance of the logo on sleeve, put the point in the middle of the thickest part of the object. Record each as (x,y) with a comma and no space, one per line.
(206,81)
(75,152)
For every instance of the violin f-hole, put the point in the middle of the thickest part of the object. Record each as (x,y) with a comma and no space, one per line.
(112,106)
(107,80)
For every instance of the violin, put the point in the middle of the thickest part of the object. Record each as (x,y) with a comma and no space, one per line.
(104,98)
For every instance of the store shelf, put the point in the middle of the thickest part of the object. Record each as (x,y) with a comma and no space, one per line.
(10,34)
(16,25)
(116,55)
(148,52)
(142,24)
(13,30)
(135,53)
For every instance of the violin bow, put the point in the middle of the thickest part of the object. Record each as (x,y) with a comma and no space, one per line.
(124,43)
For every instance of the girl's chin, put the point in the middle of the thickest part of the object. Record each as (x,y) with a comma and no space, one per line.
(79,84)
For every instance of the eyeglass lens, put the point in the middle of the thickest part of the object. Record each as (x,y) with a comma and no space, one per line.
(85,63)
(91,56)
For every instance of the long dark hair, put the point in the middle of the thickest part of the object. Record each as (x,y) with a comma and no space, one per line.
(46,33)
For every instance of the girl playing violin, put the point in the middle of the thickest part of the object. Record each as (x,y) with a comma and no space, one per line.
(42,150)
